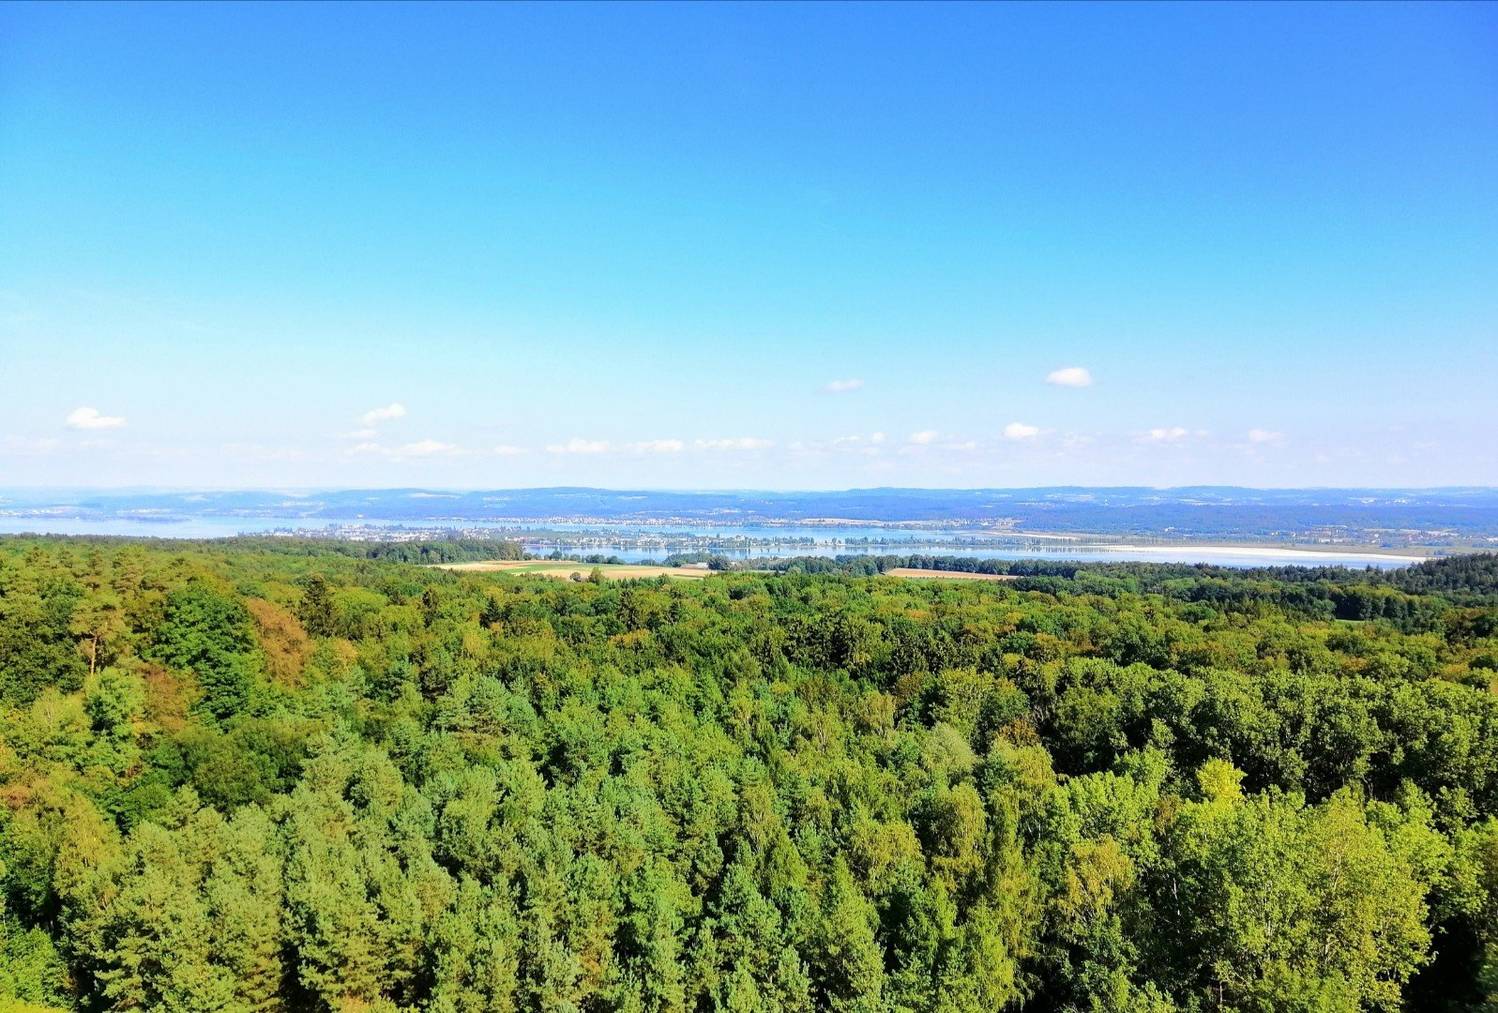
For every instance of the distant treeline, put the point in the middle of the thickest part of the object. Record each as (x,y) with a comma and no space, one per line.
(1476,573)
(438,550)
(1322,592)
(442,550)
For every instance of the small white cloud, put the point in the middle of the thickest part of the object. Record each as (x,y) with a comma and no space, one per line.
(734,443)
(89,418)
(260,452)
(505,450)
(425,448)
(420,448)
(361,434)
(159,453)
(854,443)
(842,386)
(923,437)
(1166,434)
(578,445)
(868,445)
(1020,431)
(657,447)
(1264,436)
(375,416)
(22,446)
(1069,376)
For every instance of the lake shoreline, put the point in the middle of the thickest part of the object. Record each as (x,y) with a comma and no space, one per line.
(637,543)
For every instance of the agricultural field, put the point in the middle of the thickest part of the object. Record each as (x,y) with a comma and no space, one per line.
(565,568)
(914,571)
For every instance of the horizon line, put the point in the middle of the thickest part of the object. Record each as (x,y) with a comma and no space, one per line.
(688,490)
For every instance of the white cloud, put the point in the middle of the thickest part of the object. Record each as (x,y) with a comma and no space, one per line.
(842,386)
(89,418)
(375,416)
(852,444)
(857,441)
(425,448)
(924,437)
(1069,376)
(1264,436)
(657,447)
(506,450)
(1166,434)
(159,453)
(22,446)
(260,452)
(420,448)
(1020,431)
(578,445)
(361,434)
(734,443)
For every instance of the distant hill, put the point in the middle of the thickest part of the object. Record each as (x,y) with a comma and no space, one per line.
(1181,512)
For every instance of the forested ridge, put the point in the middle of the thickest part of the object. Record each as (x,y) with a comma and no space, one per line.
(242,777)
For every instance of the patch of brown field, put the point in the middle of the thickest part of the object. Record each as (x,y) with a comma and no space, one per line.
(912,571)
(485,565)
(564,569)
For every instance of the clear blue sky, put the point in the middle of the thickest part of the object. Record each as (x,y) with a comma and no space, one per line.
(775,246)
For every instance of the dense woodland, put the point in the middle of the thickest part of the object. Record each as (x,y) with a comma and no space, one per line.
(246,777)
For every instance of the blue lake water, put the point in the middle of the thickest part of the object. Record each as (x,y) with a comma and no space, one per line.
(640,542)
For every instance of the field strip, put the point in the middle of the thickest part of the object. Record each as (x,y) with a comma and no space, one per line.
(911,571)
(565,568)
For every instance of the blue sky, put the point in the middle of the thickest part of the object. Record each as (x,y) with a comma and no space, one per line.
(748,246)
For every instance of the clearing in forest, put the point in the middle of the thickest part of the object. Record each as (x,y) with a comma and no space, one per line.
(912,571)
(565,568)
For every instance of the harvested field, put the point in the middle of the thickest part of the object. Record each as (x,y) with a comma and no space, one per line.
(564,568)
(910,571)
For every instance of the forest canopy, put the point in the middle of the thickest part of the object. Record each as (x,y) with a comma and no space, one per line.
(242,777)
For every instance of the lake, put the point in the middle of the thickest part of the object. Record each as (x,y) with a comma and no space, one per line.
(636,542)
